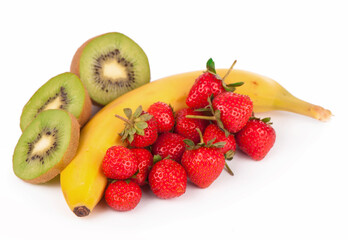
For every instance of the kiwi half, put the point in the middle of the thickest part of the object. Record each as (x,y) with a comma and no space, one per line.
(110,65)
(64,91)
(46,146)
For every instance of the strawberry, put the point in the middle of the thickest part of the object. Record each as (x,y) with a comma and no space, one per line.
(214,132)
(203,165)
(203,162)
(167,179)
(163,113)
(207,84)
(187,127)
(169,145)
(256,138)
(119,163)
(140,128)
(232,110)
(123,195)
(145,160)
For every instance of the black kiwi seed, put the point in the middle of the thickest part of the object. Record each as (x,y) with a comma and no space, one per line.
(31,145)
(64,99)
(106,84)
(111,48)
(39,156)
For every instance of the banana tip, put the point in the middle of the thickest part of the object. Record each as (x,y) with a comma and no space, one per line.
(81,211)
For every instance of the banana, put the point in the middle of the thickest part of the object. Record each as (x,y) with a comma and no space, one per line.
(83,181)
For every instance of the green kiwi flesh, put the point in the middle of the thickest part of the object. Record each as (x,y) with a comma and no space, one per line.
(111,65)
(46,146)
(64,91)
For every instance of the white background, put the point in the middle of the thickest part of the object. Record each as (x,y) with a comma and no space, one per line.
(299,191)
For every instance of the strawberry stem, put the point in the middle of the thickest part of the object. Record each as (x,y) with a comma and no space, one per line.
(229,70)
(124,119)
(200,135)
(211,66)
(228,169)
(201,117)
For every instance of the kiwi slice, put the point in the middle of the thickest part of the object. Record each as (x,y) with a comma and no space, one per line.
(46,146)
(64,91)
(110,65)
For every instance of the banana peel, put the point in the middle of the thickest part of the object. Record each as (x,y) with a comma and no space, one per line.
(83,181)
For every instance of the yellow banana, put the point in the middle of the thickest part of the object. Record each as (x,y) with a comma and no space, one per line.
(83,182)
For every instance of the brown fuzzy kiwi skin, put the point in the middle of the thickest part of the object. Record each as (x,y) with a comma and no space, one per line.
(75,63)
(67,157)
(75,66)
(86,110)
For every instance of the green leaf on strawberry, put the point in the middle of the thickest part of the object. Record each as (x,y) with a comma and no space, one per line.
(211,66)
(135,126)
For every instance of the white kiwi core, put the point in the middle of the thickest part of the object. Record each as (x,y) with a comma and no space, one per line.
(44,144)
(55,104)
(113,70)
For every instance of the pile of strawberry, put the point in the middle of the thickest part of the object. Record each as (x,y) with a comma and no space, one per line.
(165,148)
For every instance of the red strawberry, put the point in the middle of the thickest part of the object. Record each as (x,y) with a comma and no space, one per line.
(208,84)
(205,85)
(213,131)
(140,128)
(169,144)
(234,110)
(119,163)
(256,138)
(122,195)
(167,179)
(186,127)
(145,160)
(203,165)
(163,113)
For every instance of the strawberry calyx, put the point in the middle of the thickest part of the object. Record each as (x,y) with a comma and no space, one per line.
(266,120)
(211,67)
(232,86)
(215,115)
(192,146)
(229,155)
(117,180)
(156,158)
(135,123)
(228,87)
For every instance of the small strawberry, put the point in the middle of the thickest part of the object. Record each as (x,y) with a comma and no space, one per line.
(230,110)
(256,138)
(203,163)
(140,128)
(145,160)
(119,163)
(214,132)
(169,145)
(207,84)
(163,113)
(233,109)
(167,179)
(186,127)
(123,195)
